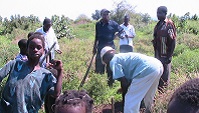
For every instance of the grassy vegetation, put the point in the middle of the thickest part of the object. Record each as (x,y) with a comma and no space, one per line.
(77,54)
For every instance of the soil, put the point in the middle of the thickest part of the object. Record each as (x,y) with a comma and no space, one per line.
(107,108)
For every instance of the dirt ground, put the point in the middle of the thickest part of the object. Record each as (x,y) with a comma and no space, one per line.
(107,108)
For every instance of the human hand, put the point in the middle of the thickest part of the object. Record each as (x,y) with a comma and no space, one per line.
(167,61)
(94,50)
(56,64)
(58,51)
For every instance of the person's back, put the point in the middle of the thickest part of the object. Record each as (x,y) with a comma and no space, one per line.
(22,44)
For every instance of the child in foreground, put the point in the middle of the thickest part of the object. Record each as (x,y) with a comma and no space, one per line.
(73,101)
(28,83)
(186,98)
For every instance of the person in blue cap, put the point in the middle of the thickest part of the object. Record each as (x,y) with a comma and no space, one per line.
(104,36)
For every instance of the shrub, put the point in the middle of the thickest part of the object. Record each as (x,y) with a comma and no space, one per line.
(187,62)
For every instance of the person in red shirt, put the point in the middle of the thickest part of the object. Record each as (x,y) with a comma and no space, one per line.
(164,44)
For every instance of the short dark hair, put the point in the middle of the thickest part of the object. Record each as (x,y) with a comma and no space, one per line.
(30,33)
(47,21)
(38,36)
(22,43)
(188,93)
(163,9)
(73,97)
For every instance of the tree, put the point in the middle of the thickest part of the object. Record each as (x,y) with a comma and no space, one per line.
(96,15)
(146,18)
(61,26)
(122,8)
(195,17)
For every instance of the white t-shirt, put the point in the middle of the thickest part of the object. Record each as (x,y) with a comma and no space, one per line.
(130,31)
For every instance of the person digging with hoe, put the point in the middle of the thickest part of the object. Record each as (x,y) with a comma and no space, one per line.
(138,73)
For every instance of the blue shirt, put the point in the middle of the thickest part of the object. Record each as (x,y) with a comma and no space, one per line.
(24,90)
(105,32)
(133,65)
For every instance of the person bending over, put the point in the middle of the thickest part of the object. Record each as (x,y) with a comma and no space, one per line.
(138,73)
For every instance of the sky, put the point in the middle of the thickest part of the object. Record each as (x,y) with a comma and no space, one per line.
(74,8)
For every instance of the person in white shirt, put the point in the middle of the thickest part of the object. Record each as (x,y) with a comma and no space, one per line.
(50,37)
(126,43)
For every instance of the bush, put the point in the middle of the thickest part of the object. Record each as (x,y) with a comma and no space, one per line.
(187,62)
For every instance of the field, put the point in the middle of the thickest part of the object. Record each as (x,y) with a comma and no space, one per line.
(77,53)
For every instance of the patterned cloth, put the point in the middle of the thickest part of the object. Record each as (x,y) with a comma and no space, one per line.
(24,90)
(21,57)
(164,38)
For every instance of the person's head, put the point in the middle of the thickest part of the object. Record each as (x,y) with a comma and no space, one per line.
(30,33)
(73,101)
(107,54)
(47,23)
(186,98)
(22,44)
(161,12)
(35,47)
(105,15)
(126,19)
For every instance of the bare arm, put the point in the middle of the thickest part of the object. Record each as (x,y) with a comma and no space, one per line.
(57,64)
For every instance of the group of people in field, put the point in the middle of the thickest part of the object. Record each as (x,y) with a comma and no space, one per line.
(31,81)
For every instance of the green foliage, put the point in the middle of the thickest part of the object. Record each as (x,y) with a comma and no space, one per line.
(96,15)
(19,22)
(180,48)
(80,29)
(77,52)
(190,40)
(186,62)
(8,50)
(99,90)
(61,26)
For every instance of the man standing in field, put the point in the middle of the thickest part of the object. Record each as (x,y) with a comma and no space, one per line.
(126,43)
(49,37)
(164,44)
(105,34)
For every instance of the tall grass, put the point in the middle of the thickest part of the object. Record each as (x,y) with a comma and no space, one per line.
(77,54)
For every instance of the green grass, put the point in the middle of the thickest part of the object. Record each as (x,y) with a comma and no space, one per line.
(77,54)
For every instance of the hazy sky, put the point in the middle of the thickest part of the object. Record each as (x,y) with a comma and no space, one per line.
(73,8)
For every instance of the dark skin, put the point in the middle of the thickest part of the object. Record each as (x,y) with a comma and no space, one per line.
(70,109)
(105,19)
(161,14)
(46,27)
(23,50)
(126,23)
(175,106)
(123,81)
(35,50)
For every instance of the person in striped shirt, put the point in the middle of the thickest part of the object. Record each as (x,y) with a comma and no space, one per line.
(164,44)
